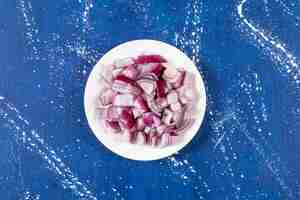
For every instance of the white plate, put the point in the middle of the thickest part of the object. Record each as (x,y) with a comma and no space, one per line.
(133,49)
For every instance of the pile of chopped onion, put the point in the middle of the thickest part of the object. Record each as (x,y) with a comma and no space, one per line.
(146,100)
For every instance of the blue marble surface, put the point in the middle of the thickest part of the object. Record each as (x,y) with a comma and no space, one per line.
(248,52)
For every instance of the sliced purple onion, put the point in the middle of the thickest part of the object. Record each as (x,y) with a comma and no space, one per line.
(176,107)
(107,96)
(113,126)
(123,100)
(112,113)
(172,97)
(141,104)
(158,70)
(170,73)
(140,125)
(147,130)
(161,103)
(107,74)
(149,76)
(140,138)
(165,140)
(127,119)
(123,87)
(147,85)
(151,119)
(150,59)
(161,128)
(147,68)
(155,140)
(130,72)
(178,81)
(154,107)
(137,112)
(161,88)
(178,117)
(116,72)
(130,136)
(167,116)
(186,124)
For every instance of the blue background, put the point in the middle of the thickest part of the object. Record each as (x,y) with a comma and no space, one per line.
(247,52)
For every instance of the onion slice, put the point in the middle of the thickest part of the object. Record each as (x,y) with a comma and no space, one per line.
(107,97)
(161,88)
(130,72)
(140,125)
(176,107)
(112,113)
(172,97)
(130,136)
(151,119)
(113,126)
(167,116)
(147,85)
(123,100)
(137,113)
(149,59)
(107,74)
(154,107)
(150,76)
(126,118)
(186,124)
(123,87)
(140,138)
(178,81)
(141,104)
(165,140)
